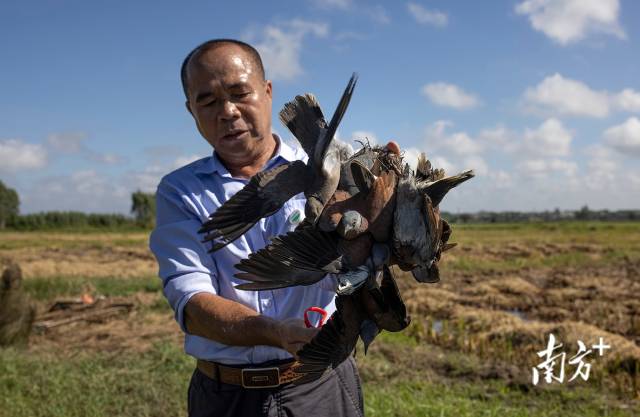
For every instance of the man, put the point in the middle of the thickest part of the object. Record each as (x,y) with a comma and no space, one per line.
(243,340)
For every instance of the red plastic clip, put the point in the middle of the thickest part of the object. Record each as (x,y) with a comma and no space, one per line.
(322,312)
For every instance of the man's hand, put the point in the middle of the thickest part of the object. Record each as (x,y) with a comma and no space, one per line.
(234,324)
(293,335)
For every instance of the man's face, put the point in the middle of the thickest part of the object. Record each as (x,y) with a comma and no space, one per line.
(230,102)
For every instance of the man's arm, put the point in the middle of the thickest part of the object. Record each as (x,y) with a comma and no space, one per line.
(231,323)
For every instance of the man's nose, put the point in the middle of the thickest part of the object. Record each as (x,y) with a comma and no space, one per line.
(229,110)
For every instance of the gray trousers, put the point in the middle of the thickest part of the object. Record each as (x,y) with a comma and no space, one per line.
(337,393)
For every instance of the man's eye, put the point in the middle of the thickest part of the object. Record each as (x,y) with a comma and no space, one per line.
(209,104)
(242,95)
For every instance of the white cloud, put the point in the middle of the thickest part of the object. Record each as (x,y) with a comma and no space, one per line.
(71,143)
(17,155)
(411,155)
(500,138)
(437,128)
(549,139)
(378,14)
(427,17)
(477,164)
(149,177)
(625,137)
(280,46)
(570,21)
(459,143)
(559,95)
(566,96)
(501,179)
(544,167)
(443,163)
(106,158)
(68,142)
(450,95)
(603,167)
(627,100)
(184,160)
(333,4)
(85,190)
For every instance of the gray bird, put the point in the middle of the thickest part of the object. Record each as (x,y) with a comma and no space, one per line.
(267,191)
(419,235)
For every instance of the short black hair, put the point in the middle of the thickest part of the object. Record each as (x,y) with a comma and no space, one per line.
(214,43)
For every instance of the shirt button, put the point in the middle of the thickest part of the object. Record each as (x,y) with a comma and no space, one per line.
(266,303)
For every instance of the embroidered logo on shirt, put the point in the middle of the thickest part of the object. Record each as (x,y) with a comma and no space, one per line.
(295,217)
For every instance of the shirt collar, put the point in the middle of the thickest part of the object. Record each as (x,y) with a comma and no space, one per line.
(213,164)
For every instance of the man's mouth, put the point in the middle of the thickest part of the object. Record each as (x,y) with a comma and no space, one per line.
(235,134)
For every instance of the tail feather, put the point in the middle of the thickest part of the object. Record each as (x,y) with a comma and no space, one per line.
(323,146)
(438,189)
(303,117)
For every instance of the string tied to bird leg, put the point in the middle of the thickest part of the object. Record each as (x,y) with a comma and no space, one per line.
(323,316)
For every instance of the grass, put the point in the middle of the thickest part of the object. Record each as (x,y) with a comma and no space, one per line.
(155,383)
(426,370)
(48,288)
(94,238)
(486,247)
(419,398)
(150,384)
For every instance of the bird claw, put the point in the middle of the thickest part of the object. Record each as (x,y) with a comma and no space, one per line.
(350,281)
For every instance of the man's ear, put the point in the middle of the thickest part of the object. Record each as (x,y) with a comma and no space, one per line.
(188,106)
(269,88)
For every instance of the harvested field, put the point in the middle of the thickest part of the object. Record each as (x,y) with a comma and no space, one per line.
(471,346)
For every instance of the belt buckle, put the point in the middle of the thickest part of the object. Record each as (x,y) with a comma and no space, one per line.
(260,377)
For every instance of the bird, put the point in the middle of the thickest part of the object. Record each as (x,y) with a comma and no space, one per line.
(388,208)
(361,315)
(267,191)
(365,213)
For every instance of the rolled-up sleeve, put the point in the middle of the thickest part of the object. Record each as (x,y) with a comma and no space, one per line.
(185,266)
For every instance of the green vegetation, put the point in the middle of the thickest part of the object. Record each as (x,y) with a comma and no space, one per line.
(9,204)
(71,220)
(143,207)
(420,398)
(155,384)
(150,384)
(49,288)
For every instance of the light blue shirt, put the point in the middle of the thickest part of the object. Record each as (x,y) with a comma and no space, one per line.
(184,200)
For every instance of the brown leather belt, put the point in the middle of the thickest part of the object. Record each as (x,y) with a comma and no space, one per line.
(266,377)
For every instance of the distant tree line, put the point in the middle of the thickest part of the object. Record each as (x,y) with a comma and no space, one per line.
(143,210)
(584,213)
(9,204)
(143,215)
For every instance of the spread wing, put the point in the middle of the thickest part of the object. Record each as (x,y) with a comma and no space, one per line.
(302,257)
(265,194)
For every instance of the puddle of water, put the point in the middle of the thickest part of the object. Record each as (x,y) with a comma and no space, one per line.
(436,326)
(516,312)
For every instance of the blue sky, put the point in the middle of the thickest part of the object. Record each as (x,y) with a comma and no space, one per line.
(540,97)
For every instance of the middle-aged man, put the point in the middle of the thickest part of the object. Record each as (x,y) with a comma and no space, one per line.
(243,340)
